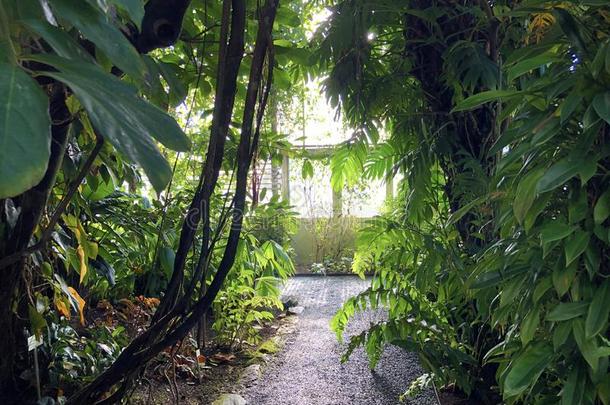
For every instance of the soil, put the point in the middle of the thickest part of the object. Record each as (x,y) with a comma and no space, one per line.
(220,374)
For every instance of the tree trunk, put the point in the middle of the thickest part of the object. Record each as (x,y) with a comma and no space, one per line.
(179,316)
(160,28)
(470,133)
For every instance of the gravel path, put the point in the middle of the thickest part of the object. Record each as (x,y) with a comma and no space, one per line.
(308,370)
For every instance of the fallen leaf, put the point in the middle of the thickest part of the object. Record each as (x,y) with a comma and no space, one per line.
(222,357)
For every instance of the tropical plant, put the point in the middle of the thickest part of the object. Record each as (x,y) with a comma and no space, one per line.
(72,200)
(493,269)
(491,263)
(273,221)
(251,291)
(76,106)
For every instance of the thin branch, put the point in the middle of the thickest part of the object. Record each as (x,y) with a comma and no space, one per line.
(59,210)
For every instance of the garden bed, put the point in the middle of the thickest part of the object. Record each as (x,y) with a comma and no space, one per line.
(168,381)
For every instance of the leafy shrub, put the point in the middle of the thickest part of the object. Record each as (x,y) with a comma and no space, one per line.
(494,266)
(329,266)
(74,358)
(251,291)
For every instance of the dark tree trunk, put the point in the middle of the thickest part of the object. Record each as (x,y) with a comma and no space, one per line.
(177,317)
(471,133)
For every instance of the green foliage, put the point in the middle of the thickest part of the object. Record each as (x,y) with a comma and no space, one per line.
(251,292)
(126,119)
(25,140)
(346,164)
(274,221)
(333,238)
(330,265)
(492,264)
(94,26)
(469,67)
(115,109)
(74,359)
(115,237)
(412,278)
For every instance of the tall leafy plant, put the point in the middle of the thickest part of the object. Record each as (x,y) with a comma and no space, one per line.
(551,280)
(57,84)
(503,217)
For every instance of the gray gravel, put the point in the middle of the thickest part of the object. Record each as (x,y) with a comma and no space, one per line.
(308,370)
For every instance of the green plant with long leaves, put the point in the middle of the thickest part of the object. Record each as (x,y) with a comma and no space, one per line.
(251,291)
(74,208)
(62,65)
(499,126)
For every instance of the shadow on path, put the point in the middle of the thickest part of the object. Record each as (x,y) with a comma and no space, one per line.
(308,370)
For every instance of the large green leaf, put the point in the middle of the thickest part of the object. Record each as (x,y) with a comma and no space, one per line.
(346,165)
(567,310)
(525,195)
(599,310)
(560,334)
(485,97)
(25,136)
(573,390)
(602,208)
(134,8)
(525,369)
(555,230)
(601,104)
(121,116)
(307,170)
(529,325)
(171,73)
(563,277)
(108,38)
(576,245)
(570,104)
(61,42)
(167,257)
(597,66)
(559,173)
(603,390)
(37,321)
(492,278)
(534,62)
(589,348)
